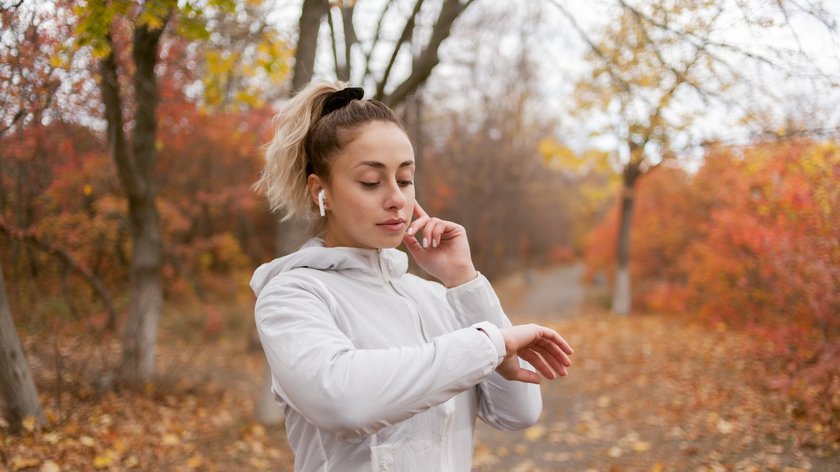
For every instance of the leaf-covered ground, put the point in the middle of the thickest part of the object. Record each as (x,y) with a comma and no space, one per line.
(653,393)
(648,393)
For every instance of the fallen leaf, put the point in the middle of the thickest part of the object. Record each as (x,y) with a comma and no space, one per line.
(102,461)
(50,466)
(19,463)
(195,462)
(29,423)
(535,433)
(131,462)
(724,427)
(641,446)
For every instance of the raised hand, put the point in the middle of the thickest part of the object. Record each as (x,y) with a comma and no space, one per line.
(445,253)
(542,347)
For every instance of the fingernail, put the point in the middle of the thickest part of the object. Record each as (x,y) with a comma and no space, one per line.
(425,243)
(410,231)
(434,243)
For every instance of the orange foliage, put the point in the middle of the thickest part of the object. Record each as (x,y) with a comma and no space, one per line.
(752,240)
(214,228)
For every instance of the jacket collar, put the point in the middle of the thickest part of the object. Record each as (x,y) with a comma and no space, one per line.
(382,265)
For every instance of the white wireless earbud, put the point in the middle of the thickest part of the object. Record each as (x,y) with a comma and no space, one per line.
(321,203)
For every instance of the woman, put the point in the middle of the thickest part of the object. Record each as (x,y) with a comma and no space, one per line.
(378,369)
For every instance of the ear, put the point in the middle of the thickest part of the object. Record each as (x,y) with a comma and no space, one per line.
(315,185)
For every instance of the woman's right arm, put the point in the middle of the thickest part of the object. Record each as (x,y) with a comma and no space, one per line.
(350,391)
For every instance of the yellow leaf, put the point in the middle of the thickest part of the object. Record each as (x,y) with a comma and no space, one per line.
(56,61)
(29,423)
(87,441)
(101,462)
(535,433)
(170,439)
(641,446)
(195,462)
(657,468)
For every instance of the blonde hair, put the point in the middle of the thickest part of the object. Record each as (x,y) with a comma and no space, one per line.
(305,142)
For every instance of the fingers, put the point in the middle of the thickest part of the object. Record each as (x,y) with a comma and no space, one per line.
(419,211)
(553,350)
(510,370)
(557,365)
(543,347)
(433,230)
(539,363)
(525,375)
(559,341)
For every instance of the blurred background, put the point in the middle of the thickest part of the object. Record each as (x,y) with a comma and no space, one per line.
(659,180)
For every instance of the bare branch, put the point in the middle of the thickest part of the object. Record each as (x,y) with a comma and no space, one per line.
(349,36)
(375,40)
(407,31)
(592,46)
(69,261)
(704,43)
(117,141)
(428,59)
(308,26)
(340,71)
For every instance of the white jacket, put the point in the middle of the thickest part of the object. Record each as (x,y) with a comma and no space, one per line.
(381,370)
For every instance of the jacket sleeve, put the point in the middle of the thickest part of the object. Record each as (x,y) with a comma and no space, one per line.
(503,404)
(350,392)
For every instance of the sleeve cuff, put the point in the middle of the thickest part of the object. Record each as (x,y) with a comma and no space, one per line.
(495,336)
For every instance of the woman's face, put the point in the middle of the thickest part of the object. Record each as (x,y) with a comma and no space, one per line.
(370,196)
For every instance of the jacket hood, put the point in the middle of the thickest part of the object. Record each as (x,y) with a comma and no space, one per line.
(382,265)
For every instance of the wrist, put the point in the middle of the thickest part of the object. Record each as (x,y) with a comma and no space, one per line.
(460,277)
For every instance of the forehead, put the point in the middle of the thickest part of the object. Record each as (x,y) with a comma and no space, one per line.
(377,142)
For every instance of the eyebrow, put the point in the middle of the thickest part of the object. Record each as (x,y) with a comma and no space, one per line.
(379,165)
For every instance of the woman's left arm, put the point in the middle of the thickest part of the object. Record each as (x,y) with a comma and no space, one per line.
(504,404)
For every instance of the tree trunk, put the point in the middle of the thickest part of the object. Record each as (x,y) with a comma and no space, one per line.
(621,292)
(20,398)
(308,27)
(136,173)
(138,363)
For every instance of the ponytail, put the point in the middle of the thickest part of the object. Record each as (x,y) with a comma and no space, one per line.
(283,180)
(305,142)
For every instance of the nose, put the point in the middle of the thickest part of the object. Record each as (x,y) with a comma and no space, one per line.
(394,199)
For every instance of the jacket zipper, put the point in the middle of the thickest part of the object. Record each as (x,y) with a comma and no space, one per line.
(411,304)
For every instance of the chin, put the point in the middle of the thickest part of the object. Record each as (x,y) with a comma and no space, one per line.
(389,243)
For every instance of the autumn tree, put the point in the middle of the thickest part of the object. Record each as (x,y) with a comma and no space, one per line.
(29,83)
(131,116)
(655,68)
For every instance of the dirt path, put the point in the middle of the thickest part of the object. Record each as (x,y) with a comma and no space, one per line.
(647,393)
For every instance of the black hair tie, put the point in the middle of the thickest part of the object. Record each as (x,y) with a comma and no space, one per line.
(341,98)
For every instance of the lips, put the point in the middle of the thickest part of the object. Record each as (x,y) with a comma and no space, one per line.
(392,225)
